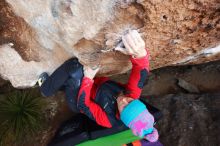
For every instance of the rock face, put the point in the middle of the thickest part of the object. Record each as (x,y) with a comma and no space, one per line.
(38,36)
(189,119)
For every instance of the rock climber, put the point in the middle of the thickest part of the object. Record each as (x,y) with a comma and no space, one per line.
(107,102)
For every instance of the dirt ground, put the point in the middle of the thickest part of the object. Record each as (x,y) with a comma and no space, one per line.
(189,119)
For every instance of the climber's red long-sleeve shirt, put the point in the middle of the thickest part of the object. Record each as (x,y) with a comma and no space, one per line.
(97,98)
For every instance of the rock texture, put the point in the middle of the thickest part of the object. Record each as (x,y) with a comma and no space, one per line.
(189,119)
(38,36)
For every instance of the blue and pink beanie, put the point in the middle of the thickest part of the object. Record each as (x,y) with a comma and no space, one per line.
(136,116)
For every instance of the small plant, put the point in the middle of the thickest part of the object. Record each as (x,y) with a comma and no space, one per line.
(20,116)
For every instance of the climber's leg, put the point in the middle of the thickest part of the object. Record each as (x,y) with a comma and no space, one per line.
(54,82)
(71,92)
(72,86)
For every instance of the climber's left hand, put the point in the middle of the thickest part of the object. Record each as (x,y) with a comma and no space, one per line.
(134,45)
(90,72)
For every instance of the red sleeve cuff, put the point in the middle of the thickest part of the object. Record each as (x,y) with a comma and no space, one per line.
(87,81)
(142,62)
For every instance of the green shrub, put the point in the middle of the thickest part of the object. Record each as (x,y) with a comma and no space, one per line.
(20,116)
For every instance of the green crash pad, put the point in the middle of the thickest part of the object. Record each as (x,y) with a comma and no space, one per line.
(113,140)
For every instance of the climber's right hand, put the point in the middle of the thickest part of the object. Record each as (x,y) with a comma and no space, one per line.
(134,45)
(90,72)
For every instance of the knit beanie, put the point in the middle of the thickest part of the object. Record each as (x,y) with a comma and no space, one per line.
(136,116)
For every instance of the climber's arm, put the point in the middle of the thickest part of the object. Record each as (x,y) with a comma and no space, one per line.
(135,47)
(139,74)
(87,106)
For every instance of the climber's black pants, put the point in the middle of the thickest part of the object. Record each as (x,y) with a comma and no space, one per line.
(68,78)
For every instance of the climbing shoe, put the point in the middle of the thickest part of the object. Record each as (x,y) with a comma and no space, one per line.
(42,78)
